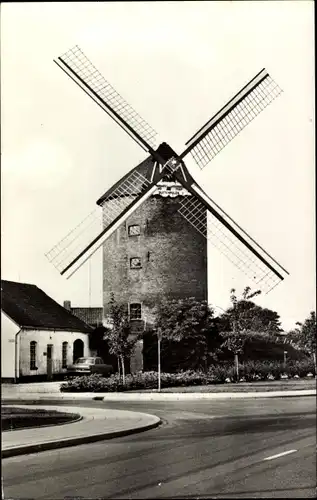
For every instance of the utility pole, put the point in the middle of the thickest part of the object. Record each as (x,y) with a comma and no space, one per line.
(159,338)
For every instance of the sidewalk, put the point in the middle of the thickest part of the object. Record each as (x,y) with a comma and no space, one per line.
(49,391)
(31,387)
(96,425)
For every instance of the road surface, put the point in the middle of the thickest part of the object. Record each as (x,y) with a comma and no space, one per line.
(251,448)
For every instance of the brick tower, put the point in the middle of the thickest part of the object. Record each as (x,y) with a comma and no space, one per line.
(155,254)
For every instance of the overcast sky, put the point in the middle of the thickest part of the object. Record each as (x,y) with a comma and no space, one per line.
(176,63)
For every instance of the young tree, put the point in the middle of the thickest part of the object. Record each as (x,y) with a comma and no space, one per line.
(121,342)
(243,321)
(187,323)
(234,341)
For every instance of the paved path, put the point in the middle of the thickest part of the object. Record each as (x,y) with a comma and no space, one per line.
(148,396)
(96,424)
(246,448)
(33,387)
(50,391)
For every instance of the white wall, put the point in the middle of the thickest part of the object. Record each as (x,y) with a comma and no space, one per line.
(8,332)
(44,337)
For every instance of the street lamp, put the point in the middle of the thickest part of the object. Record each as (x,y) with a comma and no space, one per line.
(159,338)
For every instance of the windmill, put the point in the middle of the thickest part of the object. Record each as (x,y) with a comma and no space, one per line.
(196,207)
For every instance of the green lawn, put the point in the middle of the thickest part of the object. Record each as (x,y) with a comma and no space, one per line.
(274,385)
(22,418)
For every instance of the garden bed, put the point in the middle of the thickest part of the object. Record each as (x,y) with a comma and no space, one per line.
(218,376)
(24,418)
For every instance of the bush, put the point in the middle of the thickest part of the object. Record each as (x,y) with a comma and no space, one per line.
(263,369)
(300,368)
(255,370)
(146,380)
(217,374)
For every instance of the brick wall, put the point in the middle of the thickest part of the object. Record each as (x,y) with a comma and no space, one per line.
(173,258)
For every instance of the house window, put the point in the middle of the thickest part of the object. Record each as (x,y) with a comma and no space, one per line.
(134,230)
(33,345)
(135,263)
(64,354)
(135,311)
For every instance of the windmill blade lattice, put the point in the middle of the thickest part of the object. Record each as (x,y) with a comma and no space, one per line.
(232,119)
(124,198)
(195,212)
(66,250)
(91,229)
(75,60)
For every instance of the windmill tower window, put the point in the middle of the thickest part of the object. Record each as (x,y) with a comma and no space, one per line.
(134,230)
(135,311)
(135,263)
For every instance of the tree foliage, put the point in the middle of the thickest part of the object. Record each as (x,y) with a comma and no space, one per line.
(185,326)
(245,316)
(183,318)
(244,321)
(304,336)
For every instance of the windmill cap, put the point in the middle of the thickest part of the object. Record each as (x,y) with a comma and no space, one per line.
(148,169)
(165,151)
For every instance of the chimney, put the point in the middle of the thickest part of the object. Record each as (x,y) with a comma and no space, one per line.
(67,305)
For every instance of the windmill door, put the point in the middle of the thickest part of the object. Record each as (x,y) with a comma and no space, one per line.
(49,361)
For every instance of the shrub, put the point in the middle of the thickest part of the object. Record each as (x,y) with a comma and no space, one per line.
(146,380)
(217,374)
(255,370)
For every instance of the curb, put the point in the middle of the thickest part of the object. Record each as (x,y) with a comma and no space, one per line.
(152,396)
(75,441)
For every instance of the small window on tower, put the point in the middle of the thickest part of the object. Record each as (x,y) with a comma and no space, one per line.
(134,230)
(135,263)
(135,311)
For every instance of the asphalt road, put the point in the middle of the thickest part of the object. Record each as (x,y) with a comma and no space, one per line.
(252,448)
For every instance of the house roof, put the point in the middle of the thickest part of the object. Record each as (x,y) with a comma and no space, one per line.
(149,169)
(90,315)
(30,307)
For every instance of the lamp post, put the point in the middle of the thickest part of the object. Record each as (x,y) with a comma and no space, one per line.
(159,338)
(284,360)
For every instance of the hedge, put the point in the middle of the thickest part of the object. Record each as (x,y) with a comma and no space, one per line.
(248,371)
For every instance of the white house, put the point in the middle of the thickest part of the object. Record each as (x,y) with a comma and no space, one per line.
(39,337)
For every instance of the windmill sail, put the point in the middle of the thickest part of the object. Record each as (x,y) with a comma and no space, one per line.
(232,118)
(225,234)
(231,240)
(88,236)
(127,195)
(80,69)
(121,201)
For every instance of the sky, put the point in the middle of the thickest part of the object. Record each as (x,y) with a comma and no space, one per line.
(177,64)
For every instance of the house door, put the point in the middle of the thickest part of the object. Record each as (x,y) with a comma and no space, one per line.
(78,349)
(49,361)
